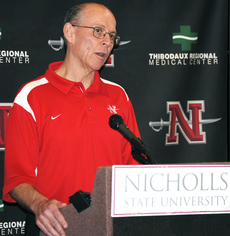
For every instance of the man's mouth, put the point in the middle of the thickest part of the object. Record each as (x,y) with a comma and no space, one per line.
(101,54)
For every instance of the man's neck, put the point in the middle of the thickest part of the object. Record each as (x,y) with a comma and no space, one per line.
(76,74)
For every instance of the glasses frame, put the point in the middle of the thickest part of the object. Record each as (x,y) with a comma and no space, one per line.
(116,40)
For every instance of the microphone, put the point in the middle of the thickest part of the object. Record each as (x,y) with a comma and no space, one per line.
(116,122)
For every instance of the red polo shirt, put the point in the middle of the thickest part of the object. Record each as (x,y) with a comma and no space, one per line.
(58,134)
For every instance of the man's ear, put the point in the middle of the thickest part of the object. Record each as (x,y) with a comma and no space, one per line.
(68,31)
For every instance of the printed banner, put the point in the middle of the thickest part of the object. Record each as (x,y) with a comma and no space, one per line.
(172,61)
(170,190)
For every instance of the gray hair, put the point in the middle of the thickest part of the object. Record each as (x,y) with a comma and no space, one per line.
(75,13)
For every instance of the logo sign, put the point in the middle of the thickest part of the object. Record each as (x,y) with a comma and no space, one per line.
(113,109)
(1,205)
(56,45)
(185,38)
(150,190)
(13,56)
(12,228)
(4,113)
(190,128)
(110,61)
(181,58)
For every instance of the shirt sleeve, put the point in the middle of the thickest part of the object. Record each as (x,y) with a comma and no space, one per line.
(21,150)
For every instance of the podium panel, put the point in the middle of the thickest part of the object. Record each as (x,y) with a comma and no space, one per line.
(96,220)
(189,225)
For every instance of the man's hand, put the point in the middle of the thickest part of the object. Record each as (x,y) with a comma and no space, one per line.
(48,217)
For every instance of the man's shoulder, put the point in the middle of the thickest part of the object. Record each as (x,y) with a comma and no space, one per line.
(29,86)
(114,87)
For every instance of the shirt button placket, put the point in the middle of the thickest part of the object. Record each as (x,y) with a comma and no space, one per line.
(89,108)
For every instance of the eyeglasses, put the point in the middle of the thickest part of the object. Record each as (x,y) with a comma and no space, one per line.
(100,33)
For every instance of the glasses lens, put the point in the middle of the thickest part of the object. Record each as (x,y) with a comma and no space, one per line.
(99,32)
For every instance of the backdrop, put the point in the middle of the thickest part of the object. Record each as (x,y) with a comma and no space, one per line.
(172,61)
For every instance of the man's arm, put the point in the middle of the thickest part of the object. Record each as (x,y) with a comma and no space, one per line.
(48,217)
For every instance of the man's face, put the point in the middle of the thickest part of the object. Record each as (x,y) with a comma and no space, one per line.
(89,51)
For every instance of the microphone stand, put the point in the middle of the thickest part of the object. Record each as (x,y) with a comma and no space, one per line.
(140,158)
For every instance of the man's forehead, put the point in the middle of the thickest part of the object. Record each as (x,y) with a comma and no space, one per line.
(99,15)
(95,6)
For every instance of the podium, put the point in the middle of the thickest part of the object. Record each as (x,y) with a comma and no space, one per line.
(97,221)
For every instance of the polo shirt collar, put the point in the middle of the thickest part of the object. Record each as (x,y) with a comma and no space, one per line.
(65,85)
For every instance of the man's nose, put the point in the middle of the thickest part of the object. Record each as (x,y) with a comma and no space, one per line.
(107,40)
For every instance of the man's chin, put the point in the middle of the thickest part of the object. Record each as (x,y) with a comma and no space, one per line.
(97,67)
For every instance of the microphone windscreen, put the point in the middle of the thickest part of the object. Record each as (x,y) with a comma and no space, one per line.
(115,120)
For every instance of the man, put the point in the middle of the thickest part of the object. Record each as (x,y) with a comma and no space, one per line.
(58,132)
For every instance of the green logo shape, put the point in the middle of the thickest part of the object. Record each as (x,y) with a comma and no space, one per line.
(1,205)
(185,37)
